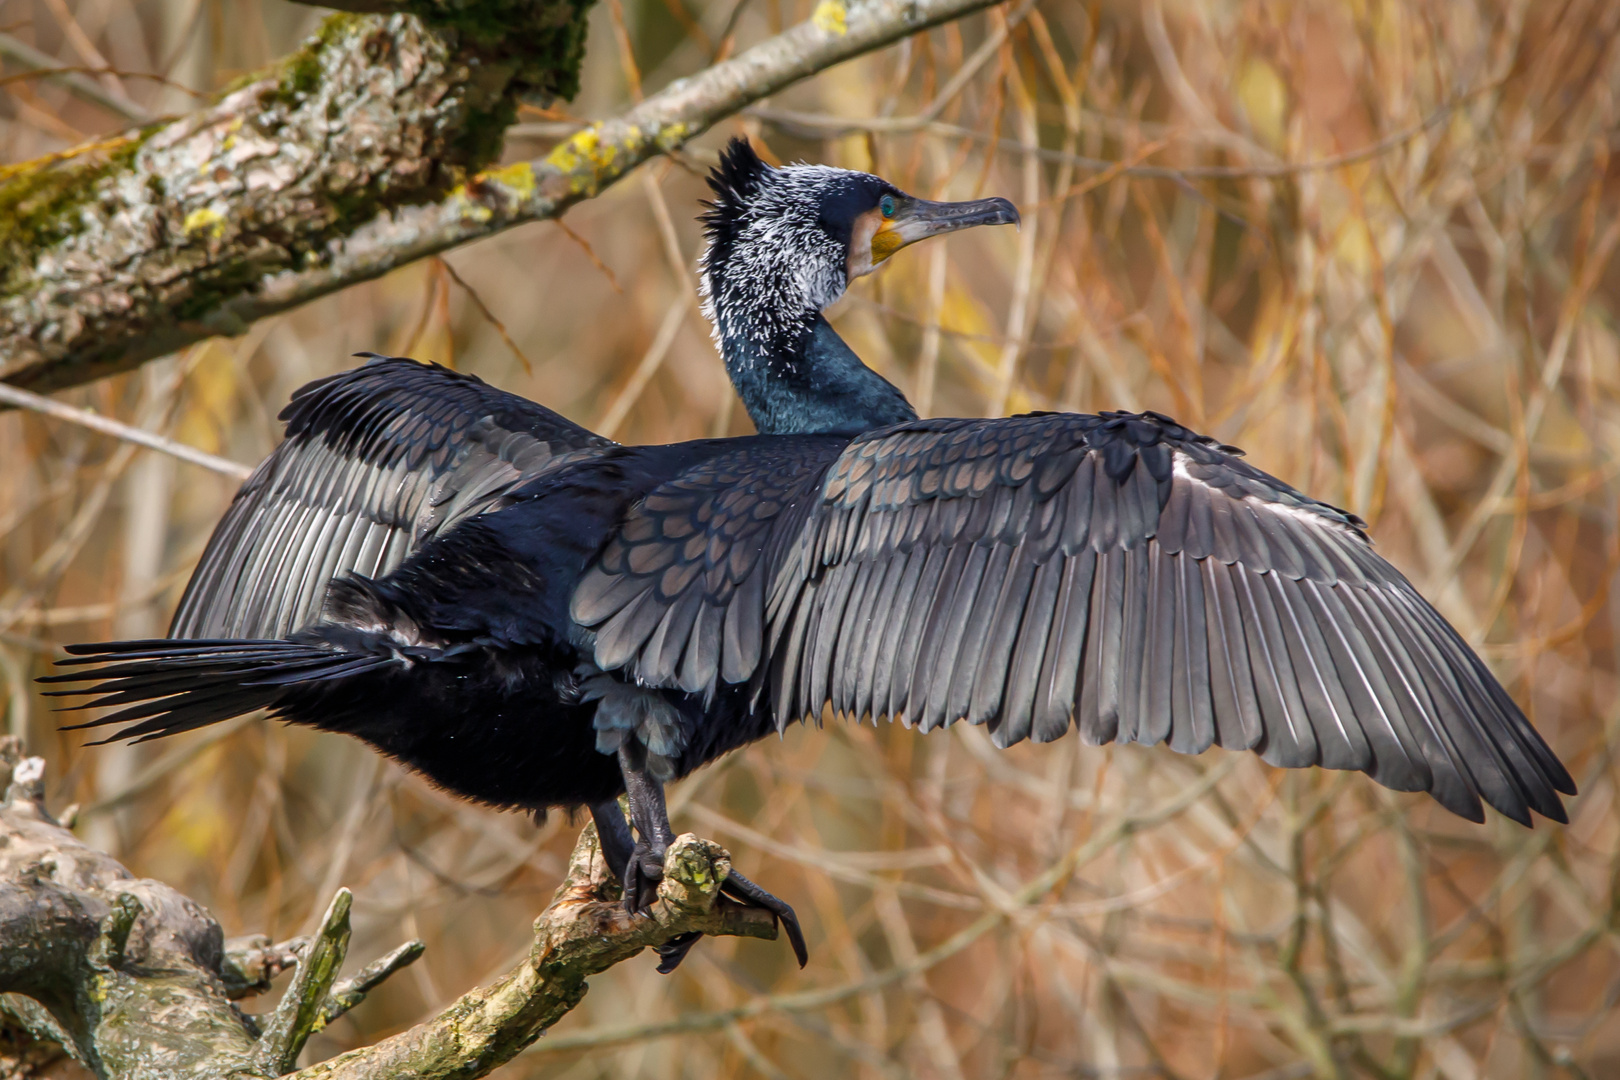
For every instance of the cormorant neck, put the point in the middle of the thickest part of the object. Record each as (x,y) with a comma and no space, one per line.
(804,379)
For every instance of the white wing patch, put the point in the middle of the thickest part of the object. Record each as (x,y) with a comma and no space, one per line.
(1180,461)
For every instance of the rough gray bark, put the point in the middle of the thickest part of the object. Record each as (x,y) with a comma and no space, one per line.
(131,249)
(354,156)
(106,953)
(137,981)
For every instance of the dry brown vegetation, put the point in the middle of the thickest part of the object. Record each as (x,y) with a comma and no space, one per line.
(1370,241)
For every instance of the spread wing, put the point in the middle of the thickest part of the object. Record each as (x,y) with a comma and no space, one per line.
(376,461)
(1117,572)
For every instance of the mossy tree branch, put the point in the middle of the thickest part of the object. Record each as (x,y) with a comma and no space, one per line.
(358,154)
(127,249)
(136,980)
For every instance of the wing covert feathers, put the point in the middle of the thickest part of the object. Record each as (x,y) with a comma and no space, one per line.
(376,460)
(1117,573)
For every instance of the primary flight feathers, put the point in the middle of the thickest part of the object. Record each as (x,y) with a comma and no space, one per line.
(1115,570)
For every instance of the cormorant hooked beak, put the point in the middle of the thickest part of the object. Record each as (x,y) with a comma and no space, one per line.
(900,220)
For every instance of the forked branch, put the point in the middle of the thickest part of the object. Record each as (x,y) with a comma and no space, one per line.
(136,980)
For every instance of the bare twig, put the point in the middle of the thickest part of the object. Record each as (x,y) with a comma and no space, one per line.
(303,1005)
(81,85)
(829,126)
(353,990)
(489,316)
(651,360)
(27,399)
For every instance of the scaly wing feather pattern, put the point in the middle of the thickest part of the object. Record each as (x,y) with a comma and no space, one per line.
(679,591)
(1118,573)
(376,461)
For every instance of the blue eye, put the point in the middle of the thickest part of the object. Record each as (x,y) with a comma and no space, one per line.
(886,205)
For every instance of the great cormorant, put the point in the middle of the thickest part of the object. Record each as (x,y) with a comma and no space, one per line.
(533,616)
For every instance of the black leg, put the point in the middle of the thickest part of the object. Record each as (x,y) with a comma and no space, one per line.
(653,833)
(647,807)
(614,834)
(645,866)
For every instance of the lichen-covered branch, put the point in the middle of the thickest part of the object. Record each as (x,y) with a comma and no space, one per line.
(359,154)
(585,931)
(136,980)
(127,249)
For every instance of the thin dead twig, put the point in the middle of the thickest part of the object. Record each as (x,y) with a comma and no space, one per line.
(829,126)
(590,253)
(489,316)
(74,79)
(27,399)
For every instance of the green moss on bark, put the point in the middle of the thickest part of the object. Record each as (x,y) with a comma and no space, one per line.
(40,200)
(375,112)
(522,46)
(300,73)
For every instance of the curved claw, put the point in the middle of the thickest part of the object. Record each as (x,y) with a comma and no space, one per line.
(740,888)
(673,951)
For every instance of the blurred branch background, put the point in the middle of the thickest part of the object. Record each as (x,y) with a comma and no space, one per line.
(1371,242)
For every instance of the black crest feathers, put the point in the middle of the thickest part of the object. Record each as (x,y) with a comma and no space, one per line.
(734,182)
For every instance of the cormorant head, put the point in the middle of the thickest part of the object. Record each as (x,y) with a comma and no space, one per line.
(785,243)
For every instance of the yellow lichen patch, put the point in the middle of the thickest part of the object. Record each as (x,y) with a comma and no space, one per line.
(230,134)
(517,178)
(674,135)
(830,17)
(45,162)
(464,206)
(589,159)
(204,221)
(578,149)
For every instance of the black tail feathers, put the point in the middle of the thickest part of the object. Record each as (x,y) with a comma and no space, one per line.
(167,687)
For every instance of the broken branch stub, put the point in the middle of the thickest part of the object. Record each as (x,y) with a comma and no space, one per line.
(126,967)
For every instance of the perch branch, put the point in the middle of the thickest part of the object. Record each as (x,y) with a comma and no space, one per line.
(200,226)
(585,931)
(136,980)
